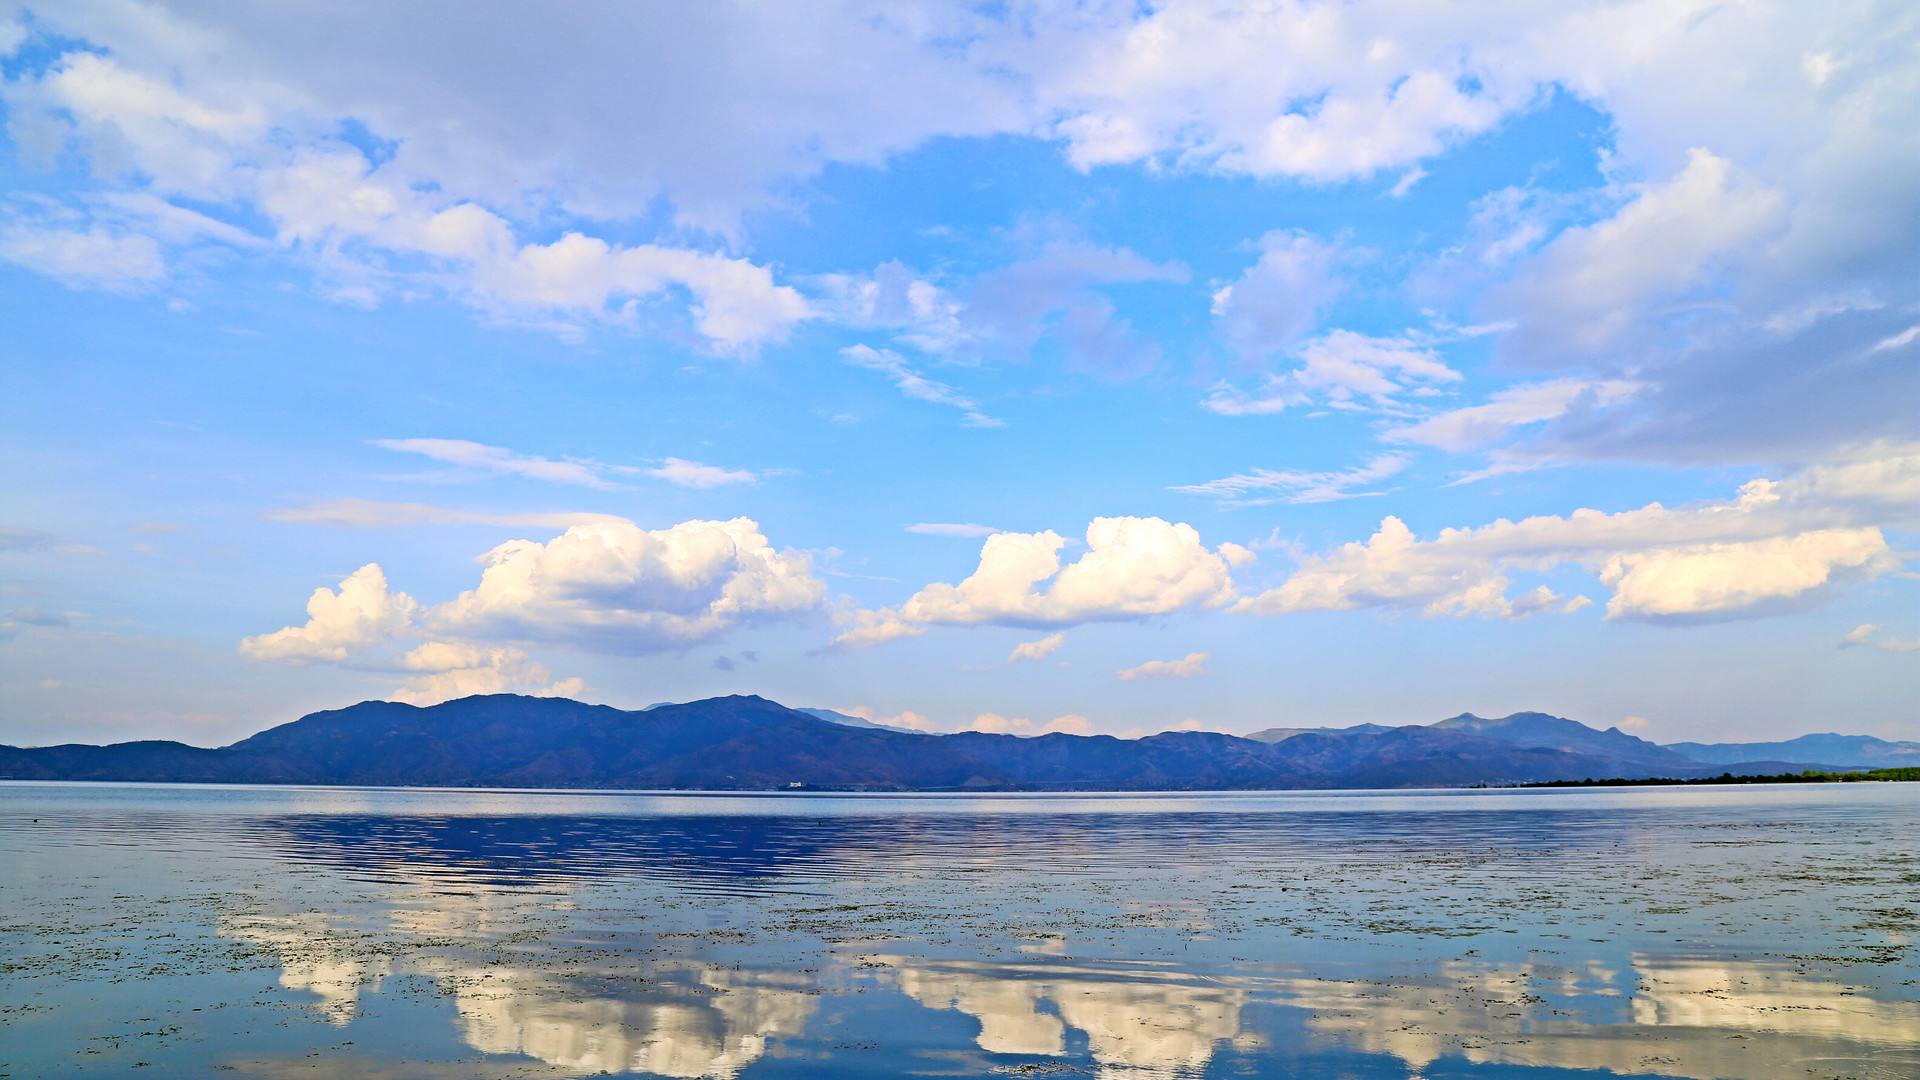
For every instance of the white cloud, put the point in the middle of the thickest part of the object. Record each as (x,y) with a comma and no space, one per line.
(941,528)
(500,461)
(915,385)
(1259,487)
(97,258)
(736,305)
(1342,370)
(1777,543)
(1475,426)
(1237,555)
(616,587)
(607,585)
(906,718)
(374,514)
(1320,93)
(578,472)
(1711,579)
(1191,666)
(362,615)
(1860,635)
(1723,201)
(692,474)
(1037,650)
(448,670)
(1408,180)
(1054,292)
(996,724)
(362,225)
(874,627)
(1898,341)
(1280,297)
(1134,567)
(1593,284)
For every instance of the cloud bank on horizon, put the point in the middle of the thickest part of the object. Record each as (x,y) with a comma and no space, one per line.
(1298,362)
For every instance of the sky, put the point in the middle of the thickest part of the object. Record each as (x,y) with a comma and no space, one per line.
(1025,367)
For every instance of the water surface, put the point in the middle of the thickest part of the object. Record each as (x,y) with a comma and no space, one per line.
(1696,932)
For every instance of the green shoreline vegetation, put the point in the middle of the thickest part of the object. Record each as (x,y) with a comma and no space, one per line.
(1808,777)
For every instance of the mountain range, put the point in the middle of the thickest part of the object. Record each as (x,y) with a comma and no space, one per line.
(751,743)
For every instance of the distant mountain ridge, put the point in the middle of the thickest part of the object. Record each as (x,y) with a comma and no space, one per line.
(1850,751)
(751,743)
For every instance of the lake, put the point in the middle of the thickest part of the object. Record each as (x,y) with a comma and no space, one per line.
(331,932)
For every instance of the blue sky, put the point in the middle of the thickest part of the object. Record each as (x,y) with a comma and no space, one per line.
(1085,368)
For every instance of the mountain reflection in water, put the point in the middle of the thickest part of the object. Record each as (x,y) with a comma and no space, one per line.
(748,853)
(1136,938)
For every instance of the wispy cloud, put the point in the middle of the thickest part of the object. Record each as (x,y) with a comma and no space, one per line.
(943,528)
(576,472)
(373,514)
(692,474)
(1037,650)
(500,461)
(918,386)
(1190,666)
(1260,487)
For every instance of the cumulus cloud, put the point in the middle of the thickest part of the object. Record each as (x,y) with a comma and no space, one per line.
(1775,545)
(616,587)
(1341,370)
(1191,666)
(1713,579)
(361,614)
(996,724)
(1037,650)
(1134,567)
(905,718)
(605,585)
(448,670)
(1260,487)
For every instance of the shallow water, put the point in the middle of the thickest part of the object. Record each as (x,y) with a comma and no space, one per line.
(1696,932)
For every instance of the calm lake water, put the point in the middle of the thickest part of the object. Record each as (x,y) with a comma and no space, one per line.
(280,932)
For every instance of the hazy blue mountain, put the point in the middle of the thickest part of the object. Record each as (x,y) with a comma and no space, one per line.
(832,717)
(1282,734)
(1558,733)
(1846,751)
(752,743)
